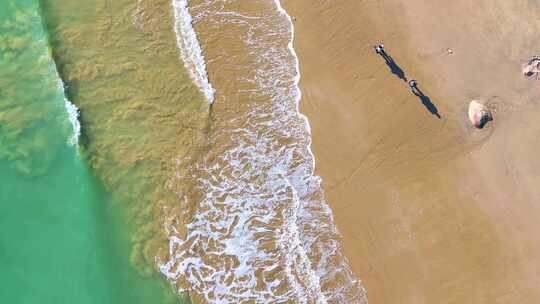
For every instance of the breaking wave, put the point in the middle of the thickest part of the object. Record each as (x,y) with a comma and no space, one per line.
(190,50)
(71,110)
(73,116)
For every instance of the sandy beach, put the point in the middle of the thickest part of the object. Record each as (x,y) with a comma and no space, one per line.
(202,151)
(430,210)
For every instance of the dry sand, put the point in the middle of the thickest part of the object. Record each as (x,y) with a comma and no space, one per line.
(431,210)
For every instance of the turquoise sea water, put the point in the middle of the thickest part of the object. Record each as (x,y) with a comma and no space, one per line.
(61,238)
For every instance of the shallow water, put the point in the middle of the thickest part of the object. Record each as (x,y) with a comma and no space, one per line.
(221,199)
(259,229)
(62,237)
(138,104)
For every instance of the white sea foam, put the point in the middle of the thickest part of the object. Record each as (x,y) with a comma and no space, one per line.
(190,50)
(73,116)
(261,231)
(71,109)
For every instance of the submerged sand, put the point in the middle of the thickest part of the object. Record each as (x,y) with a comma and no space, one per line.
(431,210)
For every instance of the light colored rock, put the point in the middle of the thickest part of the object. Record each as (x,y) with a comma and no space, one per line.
(532,68)
(479,114)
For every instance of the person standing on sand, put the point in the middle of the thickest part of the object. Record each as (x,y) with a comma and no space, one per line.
(414,86)
(394,68)
(425,99)
(379,49)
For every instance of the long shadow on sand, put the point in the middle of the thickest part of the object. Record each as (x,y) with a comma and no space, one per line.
(393,66)
(426,101)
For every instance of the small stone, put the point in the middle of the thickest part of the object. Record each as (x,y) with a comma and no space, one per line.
(479,114)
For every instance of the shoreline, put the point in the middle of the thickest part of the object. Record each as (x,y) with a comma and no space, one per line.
(257,131)
(361,295)
(422,203)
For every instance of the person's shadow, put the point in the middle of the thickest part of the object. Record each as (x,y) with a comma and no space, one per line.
(393,66)
(426,101)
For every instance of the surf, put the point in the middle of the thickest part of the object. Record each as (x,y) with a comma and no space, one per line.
(257,210)
(189,47)
(72,114)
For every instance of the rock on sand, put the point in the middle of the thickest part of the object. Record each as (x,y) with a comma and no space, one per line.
(532,68)
(479,114)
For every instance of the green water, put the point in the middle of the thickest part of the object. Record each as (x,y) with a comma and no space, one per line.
(62,238)
(143,117)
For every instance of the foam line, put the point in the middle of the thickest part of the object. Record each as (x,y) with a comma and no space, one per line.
(298,96)
(71,109)
(73,115)
(190,49)
(313,279)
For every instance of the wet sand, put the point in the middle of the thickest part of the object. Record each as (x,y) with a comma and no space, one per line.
(259,229)
(431,210)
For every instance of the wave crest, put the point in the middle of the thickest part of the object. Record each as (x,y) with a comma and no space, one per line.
(190,50)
